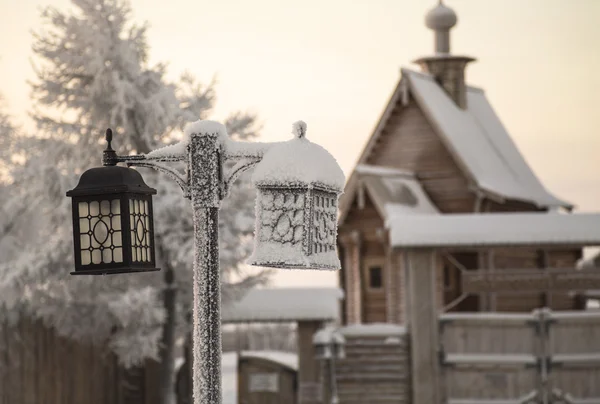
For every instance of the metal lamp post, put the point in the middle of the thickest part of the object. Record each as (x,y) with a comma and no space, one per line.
(296,224)
(329,346)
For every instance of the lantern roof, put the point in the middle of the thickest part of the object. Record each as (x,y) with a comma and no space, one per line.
(299,162)
(111,179)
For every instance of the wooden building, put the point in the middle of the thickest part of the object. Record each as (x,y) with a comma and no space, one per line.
(267,377)
(439,155)
(310,309)
(443,214)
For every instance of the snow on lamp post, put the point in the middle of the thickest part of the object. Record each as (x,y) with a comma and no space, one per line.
(329,346)
(298,185)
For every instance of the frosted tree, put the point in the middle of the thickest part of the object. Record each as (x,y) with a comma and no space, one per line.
(93,73)
(8,236)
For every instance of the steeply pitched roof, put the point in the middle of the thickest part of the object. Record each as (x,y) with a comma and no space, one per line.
(494,229)
(479,141)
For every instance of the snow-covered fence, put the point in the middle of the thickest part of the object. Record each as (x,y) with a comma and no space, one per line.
(514,358)
(376,368)
(39,367)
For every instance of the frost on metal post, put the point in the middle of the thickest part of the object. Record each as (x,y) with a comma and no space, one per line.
(298,184)
(205,185)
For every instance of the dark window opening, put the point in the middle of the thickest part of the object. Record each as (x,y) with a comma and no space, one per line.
(375,277)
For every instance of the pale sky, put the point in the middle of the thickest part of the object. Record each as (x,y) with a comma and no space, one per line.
(334,63)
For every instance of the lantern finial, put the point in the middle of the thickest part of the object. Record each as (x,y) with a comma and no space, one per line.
(299,129)
(109,155)
(108,138)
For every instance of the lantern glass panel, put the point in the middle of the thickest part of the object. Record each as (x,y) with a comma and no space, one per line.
(139,224)
(100,232)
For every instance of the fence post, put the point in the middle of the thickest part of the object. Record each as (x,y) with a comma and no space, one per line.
(423,326)
(543,326)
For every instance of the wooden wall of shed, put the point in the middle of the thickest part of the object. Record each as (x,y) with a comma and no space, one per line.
(409,142)
(286,378)
(39,367)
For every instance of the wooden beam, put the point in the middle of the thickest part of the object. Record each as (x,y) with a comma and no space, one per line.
(528,280)
(352,262)
(422,321)
(309,385)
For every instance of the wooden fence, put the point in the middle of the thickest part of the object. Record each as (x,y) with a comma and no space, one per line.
(543,357)
(38,367)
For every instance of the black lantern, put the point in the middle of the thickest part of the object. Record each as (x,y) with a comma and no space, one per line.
(112,220)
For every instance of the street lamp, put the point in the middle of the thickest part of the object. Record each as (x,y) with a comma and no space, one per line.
(298,184)
(112,220)
(330,345)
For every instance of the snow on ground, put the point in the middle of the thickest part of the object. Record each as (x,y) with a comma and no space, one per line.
(229,377)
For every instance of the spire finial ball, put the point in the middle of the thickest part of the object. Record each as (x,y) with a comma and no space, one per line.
(441,18)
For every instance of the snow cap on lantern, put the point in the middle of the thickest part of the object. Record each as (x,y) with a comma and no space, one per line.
(298,184)
(329,343)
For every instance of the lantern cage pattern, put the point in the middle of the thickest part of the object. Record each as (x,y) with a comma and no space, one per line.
(100,234)
(296,227)
(139,225)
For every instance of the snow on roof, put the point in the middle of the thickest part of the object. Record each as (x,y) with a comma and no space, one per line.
(394,191)
(486,316)
(480,141)
(328,334)
(494,229)
(284,304)
(407,197)
(299,161)
(372,330)
(286,359)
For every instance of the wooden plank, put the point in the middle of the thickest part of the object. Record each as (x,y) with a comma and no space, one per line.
(525,280)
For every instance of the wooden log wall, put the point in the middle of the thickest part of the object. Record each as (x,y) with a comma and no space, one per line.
(39,367)
(376,370)
(528,258)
